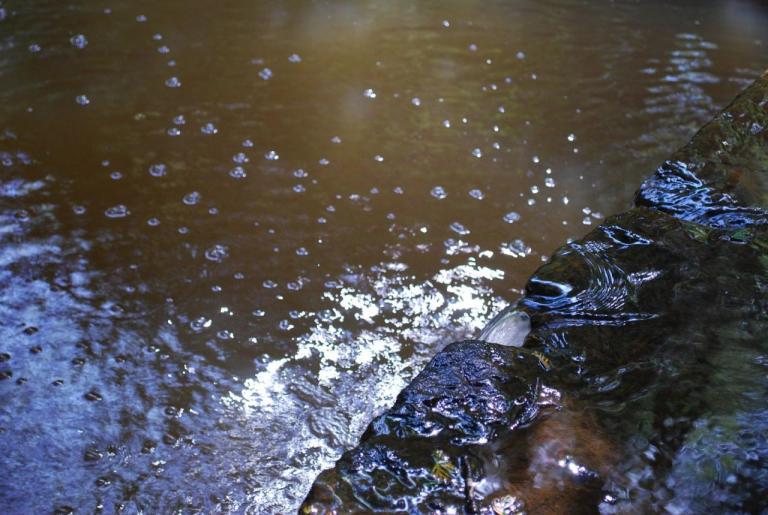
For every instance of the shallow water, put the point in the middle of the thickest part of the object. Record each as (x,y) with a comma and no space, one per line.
(231,236)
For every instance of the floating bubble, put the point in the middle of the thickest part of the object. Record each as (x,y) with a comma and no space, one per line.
(238,172)
(173,82)
(272,156)
(240,158)
(459,229)
(438,192)
(416,101)
(378,158)
(209,129)
(82,100)
(79,41)
(369,93)
(217,253)
(294,58)
(118,211)
(192,198)
(477,153)
(158,170)
(265,73)
(476,194)
(511,217)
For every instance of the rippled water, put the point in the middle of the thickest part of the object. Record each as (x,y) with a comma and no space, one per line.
(231,234)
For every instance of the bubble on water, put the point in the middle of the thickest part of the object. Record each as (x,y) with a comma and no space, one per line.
(78,210)
(298,188)
(199,324)
(174,131)
(153,222)
(535,159)
(378,158)
(118,211)
(438,192)
(531,201)
(217,253)
(173,82)
(294,58)
(472,47)
(209,129)
(300,173)
(238,172)
(240,158)
(285,325)
(324,162)
(597,215)
(369,93)
(213,211)
(520,55)
(82,100)
(322,220)
(179,120)
(511,217)
(269,284)
(587,221)
(79,41)
(586,210)
(192,198)
(265,73)
(565,200)
(116,175)
(446,23)
(183,230)
(158,170)
(247,143)
(416,101)
(258,313)
(477,153)
(163,49)
(34,48)
(571,137)
(549,182)
(459,229)
(301,251)
(516,249)
(336,140)
(447,124)
(272,156)
(141,18)
(398,190)
(534,189)
(477,194)
(157,37)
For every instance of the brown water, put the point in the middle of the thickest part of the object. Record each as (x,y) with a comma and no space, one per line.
(231,234)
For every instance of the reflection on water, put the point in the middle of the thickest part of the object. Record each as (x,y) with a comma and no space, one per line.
(231,235)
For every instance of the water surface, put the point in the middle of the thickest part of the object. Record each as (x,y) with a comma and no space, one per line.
(231,234)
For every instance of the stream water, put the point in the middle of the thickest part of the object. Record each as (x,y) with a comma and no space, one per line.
(231,234)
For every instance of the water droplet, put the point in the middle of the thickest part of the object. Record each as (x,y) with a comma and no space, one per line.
(200,324)
(531,201)
(78,210)
(179,120)
(300,173)
(163,49)
(82,100)
(301,251)
(34,48)
(209,129)
(416,101)
(192,198)
(174,131)
(438,192)
(446,23)
(587,221)
(549,182)
(265,74)
(477,153)
(269,284)
(336,140)
(294,58)
(535,159)
(571,137)
(378,158)
(447,124)
(472,47)
(115,176)
(271,156)
(511,217)
(369,93)
(240,158)
(118,211)
(324,162)
(173,82)
(247,143)
(298,188)
(141,18)
(79,41)
(153,222)
(217,253)
(534,189)
(520,55)
(157,170)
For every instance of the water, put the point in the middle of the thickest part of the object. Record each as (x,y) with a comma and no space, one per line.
(231,235)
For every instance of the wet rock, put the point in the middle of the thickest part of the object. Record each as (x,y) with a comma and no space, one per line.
(622,395)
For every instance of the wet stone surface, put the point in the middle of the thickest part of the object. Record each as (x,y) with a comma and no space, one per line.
(640,387)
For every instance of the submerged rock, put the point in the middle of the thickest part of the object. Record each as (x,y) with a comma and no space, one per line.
(641,379)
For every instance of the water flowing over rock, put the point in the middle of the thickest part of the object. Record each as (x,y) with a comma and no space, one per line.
(641,384)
